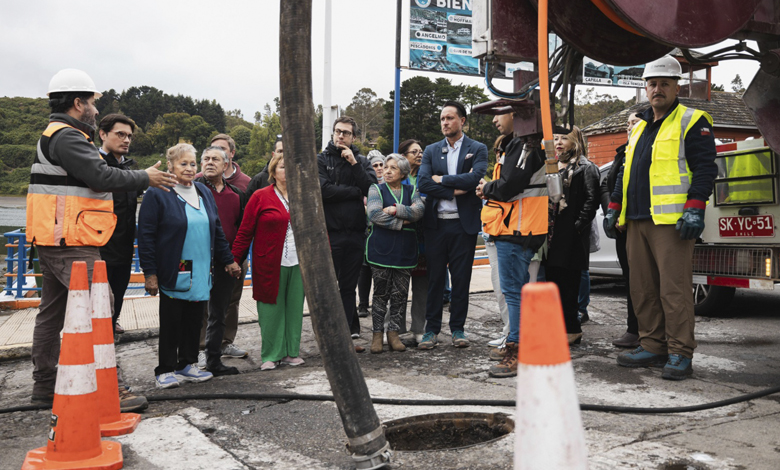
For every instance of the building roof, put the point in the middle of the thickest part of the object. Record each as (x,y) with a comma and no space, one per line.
(727,110)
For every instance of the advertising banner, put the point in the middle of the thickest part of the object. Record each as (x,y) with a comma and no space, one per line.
(598,73)
(440,37)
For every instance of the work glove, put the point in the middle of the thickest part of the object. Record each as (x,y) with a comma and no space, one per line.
(610,220)
(691,224)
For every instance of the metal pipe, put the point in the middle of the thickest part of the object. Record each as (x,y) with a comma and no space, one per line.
(367,441)
(397,94)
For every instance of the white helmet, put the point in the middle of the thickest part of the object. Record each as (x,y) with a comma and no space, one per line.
(72,80)
(666,66)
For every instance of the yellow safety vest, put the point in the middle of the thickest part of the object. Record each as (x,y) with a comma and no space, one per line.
(670,177)
(525,215)
(61,209)
(746,165)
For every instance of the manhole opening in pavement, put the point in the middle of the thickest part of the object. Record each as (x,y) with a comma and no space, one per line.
(443,431)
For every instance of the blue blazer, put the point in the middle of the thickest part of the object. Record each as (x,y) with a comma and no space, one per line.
(162,227)
(472,166)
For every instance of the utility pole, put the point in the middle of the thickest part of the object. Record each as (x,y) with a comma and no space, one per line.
(397,94)
(327,111)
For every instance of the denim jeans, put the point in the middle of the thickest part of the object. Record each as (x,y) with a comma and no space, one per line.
(583,299)
(513,261)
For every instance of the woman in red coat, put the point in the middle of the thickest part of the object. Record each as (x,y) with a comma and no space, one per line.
(276,275)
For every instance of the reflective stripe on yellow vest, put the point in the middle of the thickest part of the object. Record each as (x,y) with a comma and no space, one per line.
(670,177)
(61,209)
(526,214)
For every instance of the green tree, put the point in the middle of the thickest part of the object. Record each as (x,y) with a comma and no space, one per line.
(715,87)
(368,112)
(736,85)
(242,135)
(591,106)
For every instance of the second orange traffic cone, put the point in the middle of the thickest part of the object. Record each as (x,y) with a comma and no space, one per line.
(112,421)
(74,437)
(548,426)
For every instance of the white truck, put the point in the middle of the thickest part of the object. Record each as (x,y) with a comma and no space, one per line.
(740,245)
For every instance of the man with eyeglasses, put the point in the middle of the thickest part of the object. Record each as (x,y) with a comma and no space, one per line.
(345,177)
(116,133)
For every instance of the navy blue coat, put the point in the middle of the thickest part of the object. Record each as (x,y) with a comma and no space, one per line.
(162,227)
(472,166)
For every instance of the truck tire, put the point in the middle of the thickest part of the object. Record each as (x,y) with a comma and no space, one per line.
(711,300)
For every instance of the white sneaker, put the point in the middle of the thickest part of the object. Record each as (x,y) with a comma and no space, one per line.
(191,373)
(202,360)
(498,342)
(418,338)
(166,380)
(231,350)
(355,335)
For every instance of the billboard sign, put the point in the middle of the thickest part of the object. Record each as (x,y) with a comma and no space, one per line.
(440,37)
(599,73)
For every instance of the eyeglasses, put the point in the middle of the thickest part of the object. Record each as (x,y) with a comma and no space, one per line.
(123,135)
(377,165)
(344,133)
(414,152)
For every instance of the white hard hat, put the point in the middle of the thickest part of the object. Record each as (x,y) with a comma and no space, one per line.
(67,80)
(666,66)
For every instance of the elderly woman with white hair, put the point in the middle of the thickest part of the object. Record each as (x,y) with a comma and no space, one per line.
(179,238)
(391,248)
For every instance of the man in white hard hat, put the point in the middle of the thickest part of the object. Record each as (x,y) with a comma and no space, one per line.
(659,198)
(70,211)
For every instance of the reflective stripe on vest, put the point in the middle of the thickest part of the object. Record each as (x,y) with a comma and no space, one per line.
(61,209)
(530,205)
(670,177)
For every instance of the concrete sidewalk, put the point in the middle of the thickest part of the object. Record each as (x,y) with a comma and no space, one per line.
(141,314)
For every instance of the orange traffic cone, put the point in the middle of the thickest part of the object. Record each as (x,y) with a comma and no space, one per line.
(112,421)
(548,427)
(74,438)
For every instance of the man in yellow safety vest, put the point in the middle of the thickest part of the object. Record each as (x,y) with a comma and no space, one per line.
(659,198)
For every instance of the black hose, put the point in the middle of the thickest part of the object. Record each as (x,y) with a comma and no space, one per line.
(285,397)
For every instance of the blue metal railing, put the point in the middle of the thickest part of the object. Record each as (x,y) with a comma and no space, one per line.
(16,264)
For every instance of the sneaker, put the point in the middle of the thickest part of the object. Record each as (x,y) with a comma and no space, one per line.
(418,338)
(677,368)
(583,317)
(118,329)
(429,341)
(129,403)
(166,380)
(498,342)
(293,361)
(362,311)
(508,365)
(202,360)
(231,350)
(497,354)
(355,335)
(268,365)
(459,339)
(191,373)
(640,357)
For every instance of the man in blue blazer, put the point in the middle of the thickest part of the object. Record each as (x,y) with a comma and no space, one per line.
(449,174)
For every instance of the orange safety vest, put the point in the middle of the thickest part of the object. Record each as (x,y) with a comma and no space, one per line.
(61,209)
(526,214)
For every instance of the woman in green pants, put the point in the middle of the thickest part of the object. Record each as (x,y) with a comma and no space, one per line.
(276,276)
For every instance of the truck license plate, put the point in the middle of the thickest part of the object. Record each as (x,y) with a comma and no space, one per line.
(747,226)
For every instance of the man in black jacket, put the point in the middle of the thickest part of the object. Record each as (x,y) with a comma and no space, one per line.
(345,177)
(630,338)
(116,133)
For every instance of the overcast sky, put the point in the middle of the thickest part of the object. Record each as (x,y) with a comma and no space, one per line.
(225,50)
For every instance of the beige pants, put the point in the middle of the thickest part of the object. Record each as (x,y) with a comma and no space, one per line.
(662,287)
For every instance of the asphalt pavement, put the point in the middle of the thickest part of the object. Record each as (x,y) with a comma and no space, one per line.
(736,354)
